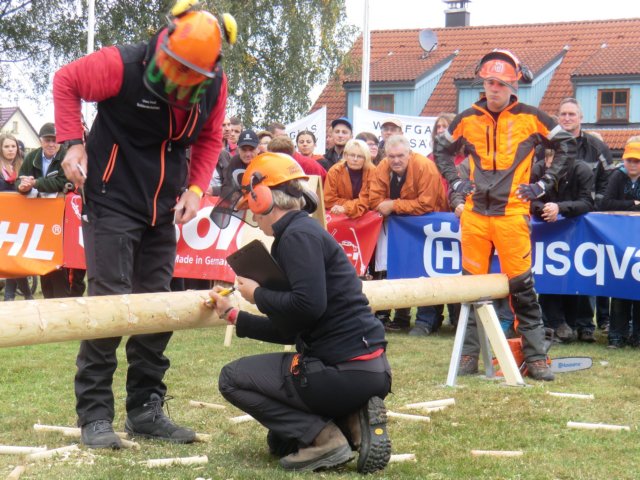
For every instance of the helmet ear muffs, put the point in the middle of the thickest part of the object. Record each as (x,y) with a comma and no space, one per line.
(260,200)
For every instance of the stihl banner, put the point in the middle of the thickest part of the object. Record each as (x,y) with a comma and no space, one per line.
(30,235)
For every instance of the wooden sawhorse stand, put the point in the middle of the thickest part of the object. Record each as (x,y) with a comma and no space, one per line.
(491,337)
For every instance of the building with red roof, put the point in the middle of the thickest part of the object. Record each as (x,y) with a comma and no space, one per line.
(596,62)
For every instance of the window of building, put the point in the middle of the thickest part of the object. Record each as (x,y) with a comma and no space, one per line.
(14,128)
(613,106)
(381,103)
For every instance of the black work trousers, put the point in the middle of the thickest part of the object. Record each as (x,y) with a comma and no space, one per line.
(124,255)
(56,284)
(298,406)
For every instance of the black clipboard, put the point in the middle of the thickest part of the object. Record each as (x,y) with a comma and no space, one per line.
(255,262)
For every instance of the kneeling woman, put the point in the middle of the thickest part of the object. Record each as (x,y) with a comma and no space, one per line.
(334,385)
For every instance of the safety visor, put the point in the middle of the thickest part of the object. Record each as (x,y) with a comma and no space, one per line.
(498,69)
(233,204)
(631,151)
(175,80)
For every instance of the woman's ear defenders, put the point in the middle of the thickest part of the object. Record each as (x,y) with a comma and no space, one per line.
(260,199)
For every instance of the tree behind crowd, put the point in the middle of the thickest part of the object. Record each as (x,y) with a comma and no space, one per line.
(284,48)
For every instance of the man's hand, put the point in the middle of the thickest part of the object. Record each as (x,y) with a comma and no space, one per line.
(247,287)
(530,191)
(385,208)
(26,184)
(187,207)
(464,187)
(76,155)
(337,209)
(550,212)
(459,209)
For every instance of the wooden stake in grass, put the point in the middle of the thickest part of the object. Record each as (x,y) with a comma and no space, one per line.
(402,457)
(167,462)
(405,416)
(445,402)
(581,396)
(242,419)
(17,472)
(15,450)
(228,335)
(212,406)
(497,453)
(52,453)
(598,426)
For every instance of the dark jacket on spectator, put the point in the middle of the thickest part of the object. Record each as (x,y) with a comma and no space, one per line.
(573,193)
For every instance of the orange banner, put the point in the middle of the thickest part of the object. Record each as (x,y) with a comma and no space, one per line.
(30,235)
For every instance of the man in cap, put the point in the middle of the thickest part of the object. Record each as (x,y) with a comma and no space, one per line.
(155,99)
(41,175)
(500,135)
(390,126)
(341,133)
(248,142)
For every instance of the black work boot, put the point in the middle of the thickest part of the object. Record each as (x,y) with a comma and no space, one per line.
(99,434)
(149,421)
(372,437)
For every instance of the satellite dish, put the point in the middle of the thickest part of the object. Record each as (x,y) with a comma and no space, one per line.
(428,41)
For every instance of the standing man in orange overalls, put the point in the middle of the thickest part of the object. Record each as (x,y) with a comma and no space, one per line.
(500,134)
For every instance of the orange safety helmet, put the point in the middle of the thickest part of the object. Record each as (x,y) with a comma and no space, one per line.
(189,52)
(185,59)
(504,66)
(266,171)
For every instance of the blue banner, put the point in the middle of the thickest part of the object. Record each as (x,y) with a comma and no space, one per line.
(593,254)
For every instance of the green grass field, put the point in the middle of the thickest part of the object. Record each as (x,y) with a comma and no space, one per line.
(37,387)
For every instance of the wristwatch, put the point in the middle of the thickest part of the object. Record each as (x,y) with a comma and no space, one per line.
(72,142)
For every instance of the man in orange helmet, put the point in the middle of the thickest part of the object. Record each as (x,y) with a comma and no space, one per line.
(500,135)
(154,99)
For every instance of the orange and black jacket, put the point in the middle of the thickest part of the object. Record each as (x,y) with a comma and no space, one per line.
(501,154)
(137,159)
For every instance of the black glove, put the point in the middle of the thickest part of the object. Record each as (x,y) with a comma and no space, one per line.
(464,187)
(530,191)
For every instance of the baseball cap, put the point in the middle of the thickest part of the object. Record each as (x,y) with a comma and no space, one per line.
(342,120)
(631,150)
(393,121)
(47,130)
(248,137)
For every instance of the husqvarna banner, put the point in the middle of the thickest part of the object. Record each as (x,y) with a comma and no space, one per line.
(594,254)
(30,235)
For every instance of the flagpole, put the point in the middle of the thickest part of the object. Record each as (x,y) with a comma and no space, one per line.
(366,55)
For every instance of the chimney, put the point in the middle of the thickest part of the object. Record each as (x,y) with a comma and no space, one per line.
(456,14)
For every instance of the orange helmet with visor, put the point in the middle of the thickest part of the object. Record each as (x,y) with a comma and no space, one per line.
(185,59)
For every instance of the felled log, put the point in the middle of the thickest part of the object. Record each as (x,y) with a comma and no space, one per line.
(62,319)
